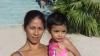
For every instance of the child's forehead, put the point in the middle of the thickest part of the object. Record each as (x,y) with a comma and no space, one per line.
(59,26)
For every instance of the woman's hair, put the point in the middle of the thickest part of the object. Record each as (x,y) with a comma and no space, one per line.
(31,15)
(56,18)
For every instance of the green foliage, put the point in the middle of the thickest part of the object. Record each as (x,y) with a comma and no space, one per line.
(83,15)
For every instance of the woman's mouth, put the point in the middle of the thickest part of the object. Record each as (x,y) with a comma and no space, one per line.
(35,38)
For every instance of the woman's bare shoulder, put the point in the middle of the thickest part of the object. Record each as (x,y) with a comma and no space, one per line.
(15,54)
(45,46)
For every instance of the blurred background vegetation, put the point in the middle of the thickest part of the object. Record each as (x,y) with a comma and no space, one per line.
(83,15)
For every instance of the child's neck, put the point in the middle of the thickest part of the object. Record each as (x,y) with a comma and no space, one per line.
(53,41)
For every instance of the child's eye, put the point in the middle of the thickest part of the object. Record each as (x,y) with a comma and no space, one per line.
(56,31)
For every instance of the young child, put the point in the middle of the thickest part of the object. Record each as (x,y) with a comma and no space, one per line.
(59,45)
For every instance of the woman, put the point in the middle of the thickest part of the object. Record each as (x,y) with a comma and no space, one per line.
(34,25)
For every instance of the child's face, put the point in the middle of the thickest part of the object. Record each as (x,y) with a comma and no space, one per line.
(58,32)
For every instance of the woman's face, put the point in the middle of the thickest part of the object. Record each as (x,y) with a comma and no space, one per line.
(34,30)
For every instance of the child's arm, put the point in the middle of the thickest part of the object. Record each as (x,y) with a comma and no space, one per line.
(71,47)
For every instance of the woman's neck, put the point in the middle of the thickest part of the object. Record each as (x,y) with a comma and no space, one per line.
(31,46)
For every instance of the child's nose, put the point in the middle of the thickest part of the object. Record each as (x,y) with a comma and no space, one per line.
(60,34)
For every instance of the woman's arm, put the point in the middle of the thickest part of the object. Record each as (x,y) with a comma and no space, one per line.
(71,47)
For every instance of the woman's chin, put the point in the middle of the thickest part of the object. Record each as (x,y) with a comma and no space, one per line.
(35,42)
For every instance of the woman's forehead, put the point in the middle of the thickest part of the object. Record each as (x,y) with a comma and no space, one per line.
(36,22)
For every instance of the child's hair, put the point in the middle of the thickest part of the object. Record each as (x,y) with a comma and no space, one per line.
(56,18)
(31,15)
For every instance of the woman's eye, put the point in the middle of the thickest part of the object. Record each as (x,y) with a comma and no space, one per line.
(32,28)
(64,31)
(40,29)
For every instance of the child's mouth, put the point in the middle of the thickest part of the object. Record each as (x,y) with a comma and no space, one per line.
(59,39)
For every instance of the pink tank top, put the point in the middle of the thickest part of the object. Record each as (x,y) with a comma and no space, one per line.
(53,50)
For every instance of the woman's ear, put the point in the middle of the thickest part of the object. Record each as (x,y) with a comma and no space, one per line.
(23,28)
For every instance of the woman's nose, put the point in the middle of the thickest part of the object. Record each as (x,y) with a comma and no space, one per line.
(36,32)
